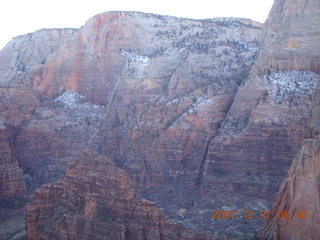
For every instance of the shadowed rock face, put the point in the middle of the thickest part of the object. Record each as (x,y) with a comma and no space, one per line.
(96,200)
(267,121)
(11,177)
(173,103)
(299,192)
(19,61)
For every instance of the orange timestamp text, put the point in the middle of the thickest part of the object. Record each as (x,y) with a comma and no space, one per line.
(251,214)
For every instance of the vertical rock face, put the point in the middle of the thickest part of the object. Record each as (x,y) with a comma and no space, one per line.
(292,43)
(300,192)
(267,121)
(22,57)
(150,92)
(288,22)
(11,176)
(160,97)
(19,61)
(116,50)
(147,91)
(292,36)
(96,200)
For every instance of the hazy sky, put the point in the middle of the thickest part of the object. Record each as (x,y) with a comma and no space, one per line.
(19,17)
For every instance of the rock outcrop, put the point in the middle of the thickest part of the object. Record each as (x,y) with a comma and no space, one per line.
(139,76)
(25,55)
(267,122)
(292,36)
(119,50)
(201,114)
(11,175)
(19,61)
(147,91)
(299,194)
(96,200)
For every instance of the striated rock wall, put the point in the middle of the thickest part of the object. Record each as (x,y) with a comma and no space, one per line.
(24,55)
(11,175)
(151,102)
(96,200)
(292,36)
(20,59)
(299,192)
(287,19)
(15,107)
(172,102)
(117,49)
(267,121)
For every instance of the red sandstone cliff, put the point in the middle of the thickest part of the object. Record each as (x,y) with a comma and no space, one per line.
(160,97)
(19,60)
(292,36)
(298,50)
(267,121)
(300,192)
(147,91)
(11,175)
(96,200)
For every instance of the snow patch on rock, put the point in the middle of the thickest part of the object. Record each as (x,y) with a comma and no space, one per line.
(289,86)
(70,99)
(74,100)
(136,58)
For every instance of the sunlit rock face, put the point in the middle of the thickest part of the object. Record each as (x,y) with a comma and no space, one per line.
(116,49)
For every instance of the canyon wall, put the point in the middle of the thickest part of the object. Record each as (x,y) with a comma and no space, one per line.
(202,115)
(11,177)
(96,200)
(19,61)
(292,35)
(145,90)
(299,194)
(267,121)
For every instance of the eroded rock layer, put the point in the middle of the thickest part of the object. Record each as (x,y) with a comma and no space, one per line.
(96,200)
(143,89)
(299,194)
(267,122)
(292,36)
(147,91)
(19,61)
(173,102)
(11,175)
